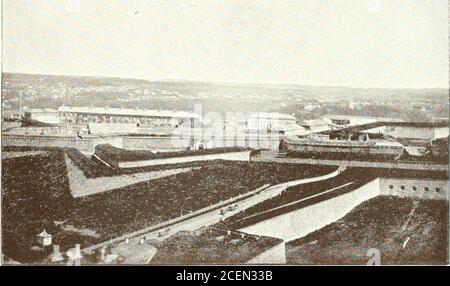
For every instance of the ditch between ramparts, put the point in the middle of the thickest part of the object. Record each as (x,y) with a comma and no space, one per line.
(298,223)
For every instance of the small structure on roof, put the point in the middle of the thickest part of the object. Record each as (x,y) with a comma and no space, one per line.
(56,256)
(44,238)
(74,255)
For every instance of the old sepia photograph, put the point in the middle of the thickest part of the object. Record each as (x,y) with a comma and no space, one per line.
(224,132)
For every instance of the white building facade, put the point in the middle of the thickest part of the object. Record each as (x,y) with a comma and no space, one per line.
(271,121)
(142,118)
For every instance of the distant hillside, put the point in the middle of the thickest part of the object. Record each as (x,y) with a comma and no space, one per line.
(53,91)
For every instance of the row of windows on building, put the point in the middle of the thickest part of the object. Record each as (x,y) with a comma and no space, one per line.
(108,117)
(145,121)
(414,188)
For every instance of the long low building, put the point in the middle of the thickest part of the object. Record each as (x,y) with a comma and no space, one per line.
(174,119)
(419,131)
(338,122)
(372,147)
(142,118)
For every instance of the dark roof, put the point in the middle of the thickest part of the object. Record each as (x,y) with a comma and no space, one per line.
(354,129)
(359,128)
(419,124)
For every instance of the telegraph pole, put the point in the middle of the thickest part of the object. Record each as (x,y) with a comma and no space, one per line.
(20,104)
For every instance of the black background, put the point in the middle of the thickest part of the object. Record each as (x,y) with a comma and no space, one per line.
(166,275)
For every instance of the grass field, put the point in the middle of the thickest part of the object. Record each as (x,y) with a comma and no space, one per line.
(36,195)
(366,157)
(113,155)
(405,231)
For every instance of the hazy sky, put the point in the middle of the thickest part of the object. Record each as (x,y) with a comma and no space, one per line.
(361,43)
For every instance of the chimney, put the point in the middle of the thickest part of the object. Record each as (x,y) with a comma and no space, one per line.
(78,249)
(56,255)
(103,253)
